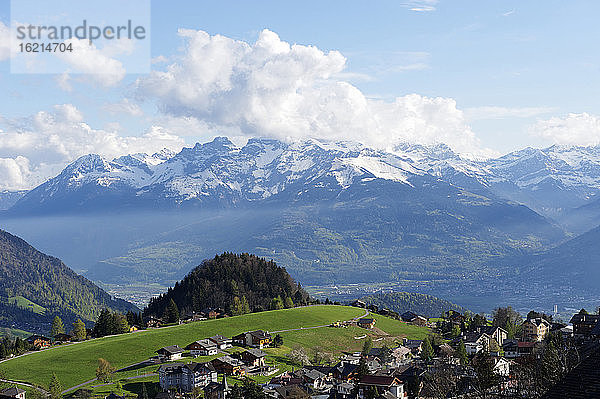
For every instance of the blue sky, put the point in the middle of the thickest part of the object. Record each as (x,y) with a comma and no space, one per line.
(518,73)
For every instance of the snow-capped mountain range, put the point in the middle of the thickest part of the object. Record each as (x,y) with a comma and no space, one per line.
(550,181)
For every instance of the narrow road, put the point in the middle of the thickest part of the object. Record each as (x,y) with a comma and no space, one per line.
(43,391)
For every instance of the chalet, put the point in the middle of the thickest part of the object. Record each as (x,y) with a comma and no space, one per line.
(152,322)
(291,392)
(186,377)
(344,389)
(498,333)
(526,348)
(316,380)
(256,339)
(221,341)
(510,348)
(229,366)
(455,317)
(359,304)
(170,353)
(501,367)
(414,318)
(210,313)
(584,323)
(344,372)
(39,341)
(13,392)
(192,316)
(366,323)
(415,345)
(386,386)
(476,342)
(216,390)
(536,329)
(202,347)
(63,338)
(253,357)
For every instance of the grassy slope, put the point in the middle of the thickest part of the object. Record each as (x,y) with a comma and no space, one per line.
(76,363)
(25,303)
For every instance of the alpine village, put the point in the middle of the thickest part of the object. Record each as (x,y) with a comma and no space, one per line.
(238,326)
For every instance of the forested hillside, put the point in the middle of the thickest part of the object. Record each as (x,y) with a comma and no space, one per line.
(237,283)
(423,304)
(48,283)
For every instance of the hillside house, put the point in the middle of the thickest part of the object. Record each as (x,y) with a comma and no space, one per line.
(13,392)
(152,322)
(415,345)
(211,313)
(202,347)
(222,342)
(474,342)
(63,338)
(414,318)
(386,386)
(510,348)
(229,366)
(359,304)
(498,333)
(186,377)
(366,323)
(291,392)
(536,329)
(256,339)
(170,353)
(39,341)
(584,323)
(253,357)
(216,390)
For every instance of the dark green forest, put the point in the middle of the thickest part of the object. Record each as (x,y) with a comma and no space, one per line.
(48,282)
(236,283)
(422,304)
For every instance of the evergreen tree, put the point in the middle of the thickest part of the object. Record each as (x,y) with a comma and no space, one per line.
(288,302)
(276,303)
(362,369)
(79,331)
(55,388)
(121,324)
(367,346)
(57,327)
(461,352)
(277,341)
(455,332)
(172,312)
(427,353)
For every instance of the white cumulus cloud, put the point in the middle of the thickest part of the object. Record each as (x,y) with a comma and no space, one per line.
(38,147)
(289,91)
(97,63)
(574,129)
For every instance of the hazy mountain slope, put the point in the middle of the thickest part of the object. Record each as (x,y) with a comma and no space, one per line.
(46,281)
(576,263)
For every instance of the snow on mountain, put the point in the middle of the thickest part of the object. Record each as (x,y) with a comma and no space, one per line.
(547,180)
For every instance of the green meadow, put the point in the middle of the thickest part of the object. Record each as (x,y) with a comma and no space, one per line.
(76,363)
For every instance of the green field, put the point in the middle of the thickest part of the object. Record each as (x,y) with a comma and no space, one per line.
(76,363)
(25,303)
